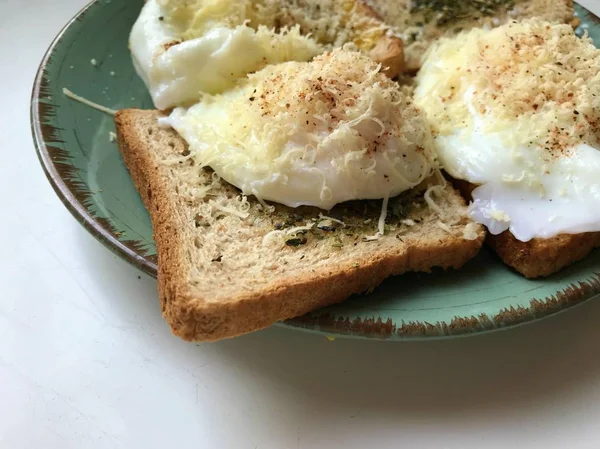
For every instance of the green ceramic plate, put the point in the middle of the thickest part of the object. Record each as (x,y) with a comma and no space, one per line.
(91,58)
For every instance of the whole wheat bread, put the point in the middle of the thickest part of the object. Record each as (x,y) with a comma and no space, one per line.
(421,22)
(328,21)
(223,275)
(538,257)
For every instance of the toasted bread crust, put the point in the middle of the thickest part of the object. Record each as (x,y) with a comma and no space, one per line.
(194,317)
(419,30)
(389,51)
(538,257)
(543,257)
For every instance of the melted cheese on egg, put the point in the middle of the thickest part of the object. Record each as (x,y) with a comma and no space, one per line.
(517,111)
(316,134)
(182,48)
(180,52)
(191,19)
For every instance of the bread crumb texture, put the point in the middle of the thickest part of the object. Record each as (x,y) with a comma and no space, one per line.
(230,265)
(327,21)
(421,22)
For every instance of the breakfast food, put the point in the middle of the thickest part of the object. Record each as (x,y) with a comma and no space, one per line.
(516,113)
(288,171)
(419,23)
(231,263)
(334,23)
(311,134)
(181,48)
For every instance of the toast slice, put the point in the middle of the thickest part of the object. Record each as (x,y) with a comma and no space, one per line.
(335,23)
(543,257)
(538,257)
(421,22)
(229,265)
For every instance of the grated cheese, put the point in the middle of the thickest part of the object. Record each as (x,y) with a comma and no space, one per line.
(89,103)
(189,19)
(296,230)
(430,201)
(535,79)
(267,125)
(447,219)
(335,220)
(444,227)
(230,211)
(381,222)
(270,237)
(470,231)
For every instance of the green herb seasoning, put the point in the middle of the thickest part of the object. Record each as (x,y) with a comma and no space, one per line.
(344,225)
(445,12)
(296,241)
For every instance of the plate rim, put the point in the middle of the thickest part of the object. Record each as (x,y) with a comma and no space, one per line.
(62,190)
(323,323)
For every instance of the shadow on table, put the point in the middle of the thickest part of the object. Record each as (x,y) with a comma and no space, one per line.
(505,373)
(468,378)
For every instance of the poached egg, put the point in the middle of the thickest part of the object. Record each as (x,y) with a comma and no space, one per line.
(516,111)
(183,48)
(311,133)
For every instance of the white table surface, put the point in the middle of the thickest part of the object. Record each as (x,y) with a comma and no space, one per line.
(86,360)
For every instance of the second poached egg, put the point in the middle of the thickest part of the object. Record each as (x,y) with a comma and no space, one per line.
(516,111)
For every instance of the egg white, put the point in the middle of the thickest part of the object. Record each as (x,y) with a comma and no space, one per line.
(525,187)
(522,192)
(296,158)
(176,71)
